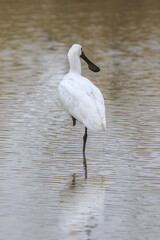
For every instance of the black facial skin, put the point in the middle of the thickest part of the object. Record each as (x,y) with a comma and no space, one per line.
(91,66)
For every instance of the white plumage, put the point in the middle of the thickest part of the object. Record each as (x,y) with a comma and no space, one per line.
(79,96)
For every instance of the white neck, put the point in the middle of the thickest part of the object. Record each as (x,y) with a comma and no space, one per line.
(75,64)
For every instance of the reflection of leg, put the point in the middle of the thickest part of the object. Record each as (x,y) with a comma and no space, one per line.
(84,141)
(74,121)
(85,165)
(73,179)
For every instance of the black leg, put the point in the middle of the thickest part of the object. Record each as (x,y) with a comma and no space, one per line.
(74,121)
(84,141)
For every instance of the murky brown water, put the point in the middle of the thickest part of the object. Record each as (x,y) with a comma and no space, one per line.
(43,190)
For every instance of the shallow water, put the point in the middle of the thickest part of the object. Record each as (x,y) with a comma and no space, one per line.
(45,190)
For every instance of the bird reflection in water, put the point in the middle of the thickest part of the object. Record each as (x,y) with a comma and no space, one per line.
(81,204)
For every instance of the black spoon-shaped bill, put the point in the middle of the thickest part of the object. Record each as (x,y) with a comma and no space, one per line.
(91,66)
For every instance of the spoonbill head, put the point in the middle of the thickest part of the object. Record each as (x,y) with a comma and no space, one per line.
(73,56)
(80,97)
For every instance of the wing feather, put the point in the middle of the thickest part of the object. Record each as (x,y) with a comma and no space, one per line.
(84,101)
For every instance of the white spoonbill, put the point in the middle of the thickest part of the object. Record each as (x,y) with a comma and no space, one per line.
(80,97)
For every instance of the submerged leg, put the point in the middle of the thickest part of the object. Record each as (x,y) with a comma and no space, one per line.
(74,121)
(84,141)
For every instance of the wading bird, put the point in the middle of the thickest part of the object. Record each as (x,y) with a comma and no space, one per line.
(80,97)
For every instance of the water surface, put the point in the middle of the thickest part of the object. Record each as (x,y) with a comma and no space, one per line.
(45,191)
